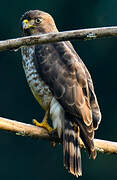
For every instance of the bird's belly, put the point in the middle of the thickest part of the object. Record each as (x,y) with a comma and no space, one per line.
(39,88)
(41,92)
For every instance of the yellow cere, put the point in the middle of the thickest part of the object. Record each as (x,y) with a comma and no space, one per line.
(26,21)
(27,24)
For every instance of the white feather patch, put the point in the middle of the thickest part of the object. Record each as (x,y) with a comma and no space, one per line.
(57,116)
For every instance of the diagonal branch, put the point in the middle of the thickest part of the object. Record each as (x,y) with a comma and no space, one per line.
(82,34)
(24,129)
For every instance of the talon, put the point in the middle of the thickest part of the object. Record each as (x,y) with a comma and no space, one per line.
(44,124)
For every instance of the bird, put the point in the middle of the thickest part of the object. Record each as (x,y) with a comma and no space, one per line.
(62,85)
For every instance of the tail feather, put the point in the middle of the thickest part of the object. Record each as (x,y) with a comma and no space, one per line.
(87,135)
(72,154)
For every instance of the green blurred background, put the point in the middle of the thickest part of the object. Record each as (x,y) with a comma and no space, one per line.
(25,158)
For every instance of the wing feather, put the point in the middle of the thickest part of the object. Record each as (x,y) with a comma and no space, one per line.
(96,114)
(71,85)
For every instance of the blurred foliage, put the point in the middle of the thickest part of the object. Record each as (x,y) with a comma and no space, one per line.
(25,158)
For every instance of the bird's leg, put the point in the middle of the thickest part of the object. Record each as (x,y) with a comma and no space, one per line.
(44,123)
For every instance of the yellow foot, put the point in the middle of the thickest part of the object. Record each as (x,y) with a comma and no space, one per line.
(44,124)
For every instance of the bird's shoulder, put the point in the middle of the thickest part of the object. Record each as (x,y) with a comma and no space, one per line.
(59,66)
(60,58)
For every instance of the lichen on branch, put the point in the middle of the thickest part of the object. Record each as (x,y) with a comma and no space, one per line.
(82,34)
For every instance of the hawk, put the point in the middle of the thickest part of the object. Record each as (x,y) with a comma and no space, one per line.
(63,86)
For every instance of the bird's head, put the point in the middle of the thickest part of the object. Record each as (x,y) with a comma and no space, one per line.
(37,22)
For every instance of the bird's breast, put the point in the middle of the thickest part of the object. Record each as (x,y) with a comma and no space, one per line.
(39,88)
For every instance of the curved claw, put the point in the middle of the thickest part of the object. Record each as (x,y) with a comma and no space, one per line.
(44,124)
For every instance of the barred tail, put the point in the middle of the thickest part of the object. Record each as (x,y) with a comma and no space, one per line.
(72,154)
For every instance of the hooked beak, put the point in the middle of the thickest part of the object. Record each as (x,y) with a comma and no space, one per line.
(26,24)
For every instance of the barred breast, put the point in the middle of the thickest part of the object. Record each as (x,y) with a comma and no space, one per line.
(39,89)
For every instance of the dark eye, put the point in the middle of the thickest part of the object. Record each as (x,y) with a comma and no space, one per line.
(38,20)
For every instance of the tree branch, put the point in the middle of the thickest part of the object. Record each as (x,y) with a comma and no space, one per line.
(24,129)
(82,34)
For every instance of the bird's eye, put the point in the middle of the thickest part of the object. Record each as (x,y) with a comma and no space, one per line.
(38,20)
